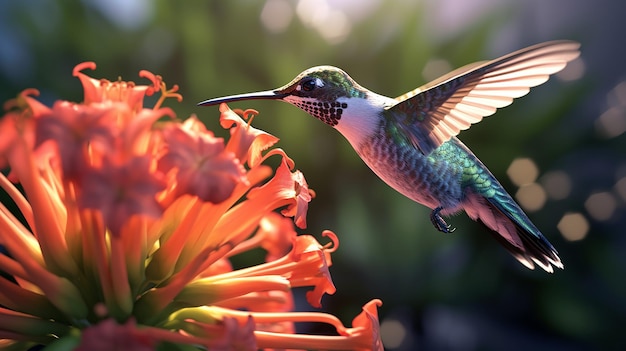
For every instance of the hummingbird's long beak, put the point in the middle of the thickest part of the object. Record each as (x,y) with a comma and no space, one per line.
(261,95)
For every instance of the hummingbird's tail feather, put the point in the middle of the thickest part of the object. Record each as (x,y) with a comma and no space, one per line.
(513,229)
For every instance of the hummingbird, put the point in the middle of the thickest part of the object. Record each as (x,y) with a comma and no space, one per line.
(410,141)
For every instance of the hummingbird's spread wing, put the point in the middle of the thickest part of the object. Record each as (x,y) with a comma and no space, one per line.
(430,115)
(457,72)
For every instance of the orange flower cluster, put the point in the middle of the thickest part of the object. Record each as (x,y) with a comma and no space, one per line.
(127,222)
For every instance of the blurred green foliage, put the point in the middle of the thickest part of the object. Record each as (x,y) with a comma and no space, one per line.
(456,291)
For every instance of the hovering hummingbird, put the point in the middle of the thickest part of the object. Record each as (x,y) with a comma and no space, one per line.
(410,141)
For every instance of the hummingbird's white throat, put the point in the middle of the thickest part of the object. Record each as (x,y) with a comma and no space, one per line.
(362,117)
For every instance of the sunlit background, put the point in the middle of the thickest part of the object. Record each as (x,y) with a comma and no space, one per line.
(560,151)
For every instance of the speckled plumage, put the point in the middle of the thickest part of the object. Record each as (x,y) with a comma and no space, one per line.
(432,180)
(452,178)
(410,141)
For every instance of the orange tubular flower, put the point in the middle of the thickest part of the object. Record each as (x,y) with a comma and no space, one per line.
(127,226)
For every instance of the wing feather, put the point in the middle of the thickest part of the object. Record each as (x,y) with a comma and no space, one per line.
(447,105)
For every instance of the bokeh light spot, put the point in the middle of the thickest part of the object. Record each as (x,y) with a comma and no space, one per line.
(335,28)
(612,122)
(617,95)
(573,226)
(531,197)
(127,14)
(522,171)
(557,185)
(276,15)
(332,24)
(601,206)
(392,333)
(620,188)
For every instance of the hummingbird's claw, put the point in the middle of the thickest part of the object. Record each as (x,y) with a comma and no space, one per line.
(439,222)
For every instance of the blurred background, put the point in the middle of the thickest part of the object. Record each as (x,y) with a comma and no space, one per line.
(560,150)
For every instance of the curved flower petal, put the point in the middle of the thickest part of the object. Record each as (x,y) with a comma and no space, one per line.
(76,130)
(135,133)
(315,272)
(366,328)
(99,90)
(290,189)
(276,235)
(303,196)
(18,123)
(121,191)
(8,135)
(202,166)
(246,142)
(306,265)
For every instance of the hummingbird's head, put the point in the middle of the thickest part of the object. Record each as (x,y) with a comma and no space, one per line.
(318,91)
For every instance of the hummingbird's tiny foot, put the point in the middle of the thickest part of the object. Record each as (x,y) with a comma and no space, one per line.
(439,222)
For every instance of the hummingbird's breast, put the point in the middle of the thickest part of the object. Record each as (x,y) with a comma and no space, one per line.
(433,180)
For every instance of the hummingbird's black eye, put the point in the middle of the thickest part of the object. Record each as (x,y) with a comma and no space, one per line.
(309,84)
